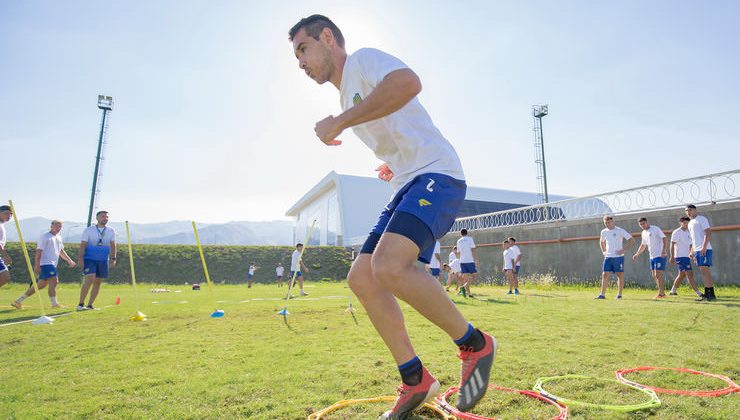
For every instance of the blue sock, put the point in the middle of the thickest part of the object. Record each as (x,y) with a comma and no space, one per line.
(411,371)
(472,338)
(467,335)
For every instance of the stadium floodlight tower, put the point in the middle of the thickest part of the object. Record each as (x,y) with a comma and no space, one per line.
(106,104)
(539,111)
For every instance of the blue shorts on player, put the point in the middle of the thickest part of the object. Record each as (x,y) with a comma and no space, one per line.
(468,268)
(423,210)
(249,276)
(434,271)
(3,267)
(516,269)
(613,265)
(98,268)
(48,271)
(657,264)
(705,261)
(296,274)
(683,263)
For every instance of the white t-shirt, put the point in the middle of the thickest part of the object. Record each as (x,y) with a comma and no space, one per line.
(455,266)
(697,226)
(465,246)
(452,257)
(294,266)
(653,238)
(517,252)
(3,238)
(98,242)
(252,269)
(406,140)
(51,246)
(682,238)
(614,239)
(279,271)
(509,257)
(434,262)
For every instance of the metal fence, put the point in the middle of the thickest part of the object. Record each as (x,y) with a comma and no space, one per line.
(714,188)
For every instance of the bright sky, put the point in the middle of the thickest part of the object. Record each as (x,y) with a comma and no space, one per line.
(213,120)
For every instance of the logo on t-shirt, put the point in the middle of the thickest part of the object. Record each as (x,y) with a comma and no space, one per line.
(356,99)
(423,202)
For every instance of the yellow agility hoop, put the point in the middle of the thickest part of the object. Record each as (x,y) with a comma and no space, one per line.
(344,403)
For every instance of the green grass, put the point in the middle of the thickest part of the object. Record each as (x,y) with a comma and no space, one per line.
(249,364)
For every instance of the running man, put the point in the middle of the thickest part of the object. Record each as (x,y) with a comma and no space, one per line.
(680,252)
(378,94)
(279,270)
(611,243)
(454,272)
(468,259)
(435,264)
(296,264)
(48,250)
(97,256)
(5,215)
(656,243)
(517,263)
(250,275)
(701,232)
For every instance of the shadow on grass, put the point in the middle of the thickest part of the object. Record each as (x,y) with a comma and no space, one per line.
(30,317)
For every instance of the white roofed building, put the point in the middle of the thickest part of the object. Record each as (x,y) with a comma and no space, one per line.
(346,207)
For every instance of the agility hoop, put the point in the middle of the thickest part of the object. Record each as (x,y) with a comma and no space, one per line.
(731,386)
(344,403)
(453,411)
(652,403)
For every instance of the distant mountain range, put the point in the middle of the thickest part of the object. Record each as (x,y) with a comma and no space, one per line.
(276,232)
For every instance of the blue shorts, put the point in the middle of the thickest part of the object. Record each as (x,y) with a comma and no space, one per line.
(657,264)
(613,265)
(468,268)
(516,269)
(47,271)
(705,261)
(280,277)
(3,267)
(249,276)
(434,271)
(99,268)
(432,201)
(683,263)
(296,274)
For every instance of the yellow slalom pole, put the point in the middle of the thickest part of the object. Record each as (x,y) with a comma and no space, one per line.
(218,313)
(138,316)
(284,312)
(44,319)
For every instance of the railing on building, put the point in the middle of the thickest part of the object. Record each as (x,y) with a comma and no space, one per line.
(708,189)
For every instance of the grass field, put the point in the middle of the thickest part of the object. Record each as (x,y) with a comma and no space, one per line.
(249,364)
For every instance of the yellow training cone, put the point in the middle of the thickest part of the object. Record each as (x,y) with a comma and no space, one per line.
(138,316)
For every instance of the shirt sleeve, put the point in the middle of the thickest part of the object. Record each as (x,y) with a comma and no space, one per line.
(375,65)
(40,243)
(112,235)
(626,235)
(704,223)
(660,233)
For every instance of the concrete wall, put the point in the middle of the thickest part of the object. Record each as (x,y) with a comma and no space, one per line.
(576,256)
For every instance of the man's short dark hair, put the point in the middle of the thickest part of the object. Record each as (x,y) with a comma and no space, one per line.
(313,25)
(100,212)
(464,232)
(5,208)
(684,219)
(506,241)
(608,218)
(642,219)
(298,244)
(512,239)
(691,206)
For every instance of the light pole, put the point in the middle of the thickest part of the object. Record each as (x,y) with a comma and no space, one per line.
(106,104)
(539,111)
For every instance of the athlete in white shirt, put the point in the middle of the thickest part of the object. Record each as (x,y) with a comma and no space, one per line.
(509,264)
(48,251)
(378,96)
(517,263)
(435,264)
(452,273)
(250,275)
(701,232)
(97,255)
(612,238)
(5,215)
(680,253)
(296,263)
(468,259)
(279,270)
(656,243)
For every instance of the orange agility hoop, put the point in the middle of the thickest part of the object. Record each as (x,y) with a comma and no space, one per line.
(731,386)
(449,408)
(344,403)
